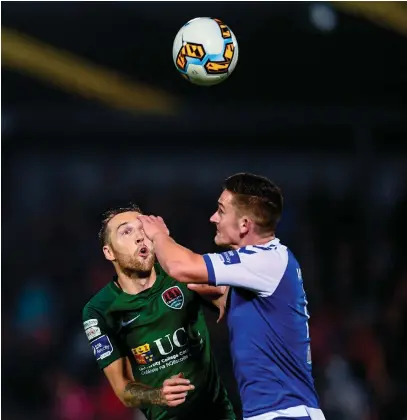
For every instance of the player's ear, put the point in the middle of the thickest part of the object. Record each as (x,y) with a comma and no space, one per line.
(244,224)
(109,254)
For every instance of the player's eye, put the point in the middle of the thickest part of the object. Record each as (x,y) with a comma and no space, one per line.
(126,232)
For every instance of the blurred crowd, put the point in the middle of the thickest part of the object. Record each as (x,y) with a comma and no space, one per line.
(352,261)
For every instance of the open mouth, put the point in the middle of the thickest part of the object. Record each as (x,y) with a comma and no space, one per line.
(143,252)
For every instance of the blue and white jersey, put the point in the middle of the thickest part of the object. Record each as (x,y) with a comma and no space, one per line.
(268,327)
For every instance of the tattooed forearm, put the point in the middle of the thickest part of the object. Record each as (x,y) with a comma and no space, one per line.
(138,395)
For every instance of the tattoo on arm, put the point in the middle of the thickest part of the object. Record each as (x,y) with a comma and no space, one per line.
(138,395)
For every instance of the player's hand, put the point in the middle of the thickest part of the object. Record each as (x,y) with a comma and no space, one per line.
(175,390)
(152,225)
(215,294)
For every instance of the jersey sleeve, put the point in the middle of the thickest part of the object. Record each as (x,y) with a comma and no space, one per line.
(256,268)
(104,343)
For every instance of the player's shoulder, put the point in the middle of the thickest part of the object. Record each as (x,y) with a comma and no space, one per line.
(99,302)
(272,252)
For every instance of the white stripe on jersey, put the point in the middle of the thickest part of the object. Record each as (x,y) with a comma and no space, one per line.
(292,412)
(257,268)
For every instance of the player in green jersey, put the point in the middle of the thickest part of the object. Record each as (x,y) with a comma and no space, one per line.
(148,332)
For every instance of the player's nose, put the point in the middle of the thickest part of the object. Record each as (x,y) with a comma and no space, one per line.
(214,218)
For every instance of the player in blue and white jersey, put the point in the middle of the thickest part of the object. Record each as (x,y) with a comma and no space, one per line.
(267,306)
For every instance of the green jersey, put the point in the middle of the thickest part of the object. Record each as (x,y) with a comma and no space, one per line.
(163,332)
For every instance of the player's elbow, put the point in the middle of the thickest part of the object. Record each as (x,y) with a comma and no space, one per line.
(126,403)
(122,395)
(125,397)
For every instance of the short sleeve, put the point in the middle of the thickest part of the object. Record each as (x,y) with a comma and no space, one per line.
(105,344)
(256,268)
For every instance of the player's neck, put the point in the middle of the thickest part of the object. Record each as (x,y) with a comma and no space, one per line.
(255,239)
(132,284)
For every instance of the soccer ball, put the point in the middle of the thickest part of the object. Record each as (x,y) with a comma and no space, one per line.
(205,51)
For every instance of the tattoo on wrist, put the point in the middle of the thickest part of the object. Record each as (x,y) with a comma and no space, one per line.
(138,395)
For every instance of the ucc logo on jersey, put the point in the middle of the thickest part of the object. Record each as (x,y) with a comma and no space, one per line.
(168,345)
(173,297)
(143,354)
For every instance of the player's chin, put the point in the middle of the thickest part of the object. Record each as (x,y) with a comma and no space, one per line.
(145,263)
(220,241)
(148,262)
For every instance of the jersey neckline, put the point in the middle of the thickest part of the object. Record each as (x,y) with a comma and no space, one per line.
(147,292)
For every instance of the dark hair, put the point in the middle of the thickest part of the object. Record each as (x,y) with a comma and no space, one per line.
(108,215)
(259,196)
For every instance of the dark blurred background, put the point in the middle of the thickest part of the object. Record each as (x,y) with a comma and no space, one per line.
(94,114)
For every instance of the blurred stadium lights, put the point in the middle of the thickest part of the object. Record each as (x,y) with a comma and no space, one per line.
(323,17)
(389,14)
(6,125)
(75,74)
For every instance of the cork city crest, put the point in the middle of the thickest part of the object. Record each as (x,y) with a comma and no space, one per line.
(173,297)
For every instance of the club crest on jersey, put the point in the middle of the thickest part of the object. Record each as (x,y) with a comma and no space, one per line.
(143,354)
(173,297)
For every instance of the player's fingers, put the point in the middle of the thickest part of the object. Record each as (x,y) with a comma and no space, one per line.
(175,397)
(180,378)
(143,219)
(176,381)
(177,389)
(169,386)
(175,402)
(221,314)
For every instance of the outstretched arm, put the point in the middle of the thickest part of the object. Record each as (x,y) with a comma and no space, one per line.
(258,268)
(177,261)
(180,262)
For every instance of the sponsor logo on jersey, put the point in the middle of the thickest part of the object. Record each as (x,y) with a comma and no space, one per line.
(143,354)
(124,323)
(173,297)
(102,347)
(90,323)
(173,348)
(92,332)
(230,257)
(166,345)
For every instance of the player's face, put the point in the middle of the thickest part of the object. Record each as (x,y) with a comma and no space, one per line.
(129,247)
(228,229)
